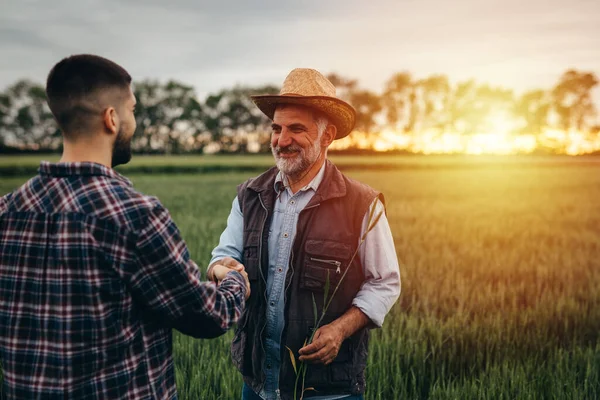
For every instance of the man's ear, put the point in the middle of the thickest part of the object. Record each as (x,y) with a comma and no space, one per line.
(111,120)
(329,135)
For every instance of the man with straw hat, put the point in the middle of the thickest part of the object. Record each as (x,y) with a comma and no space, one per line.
(295,229)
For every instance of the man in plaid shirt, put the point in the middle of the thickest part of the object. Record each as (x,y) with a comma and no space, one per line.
(94,275)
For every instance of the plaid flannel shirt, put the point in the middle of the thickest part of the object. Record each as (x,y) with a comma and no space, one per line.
(93,277)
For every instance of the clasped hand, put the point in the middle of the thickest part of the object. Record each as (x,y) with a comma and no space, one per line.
(221,268)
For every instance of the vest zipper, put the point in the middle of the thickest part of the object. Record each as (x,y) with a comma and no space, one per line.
(331,262)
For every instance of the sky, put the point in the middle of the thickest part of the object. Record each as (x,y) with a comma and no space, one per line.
(211,45)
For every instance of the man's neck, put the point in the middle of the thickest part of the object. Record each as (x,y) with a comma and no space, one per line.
(85,152)
(305,178)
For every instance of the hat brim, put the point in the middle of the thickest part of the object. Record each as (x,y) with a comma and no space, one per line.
(342,114)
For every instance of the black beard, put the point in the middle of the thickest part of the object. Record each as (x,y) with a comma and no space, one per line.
(121,150)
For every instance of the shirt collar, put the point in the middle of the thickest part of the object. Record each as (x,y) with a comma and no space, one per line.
(281,181)
(80,169)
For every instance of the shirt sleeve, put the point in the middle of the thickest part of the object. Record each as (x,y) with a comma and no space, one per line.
(168,282)
(377,254)
(231,243)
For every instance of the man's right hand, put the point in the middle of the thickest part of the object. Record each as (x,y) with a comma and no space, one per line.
(219,269)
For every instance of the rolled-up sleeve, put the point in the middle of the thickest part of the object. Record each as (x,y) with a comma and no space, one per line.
(378,256)
(231,242)
(167,281)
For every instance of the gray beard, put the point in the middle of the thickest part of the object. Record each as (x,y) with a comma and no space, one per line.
(300,164)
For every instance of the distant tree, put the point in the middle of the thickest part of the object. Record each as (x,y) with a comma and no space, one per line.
(26,118)
(347,90)
(462,98)
(344,86)
(471,106)
(533,108)
(168,116)
(5,104)
(367,105)
(171,119)
(234,121)
(492,101)
(399,102)
(572,99)
(433,93)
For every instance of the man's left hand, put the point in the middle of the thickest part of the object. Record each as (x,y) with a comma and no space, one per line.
(325,346)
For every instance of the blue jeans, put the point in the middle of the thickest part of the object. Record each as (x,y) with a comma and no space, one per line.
(248,394)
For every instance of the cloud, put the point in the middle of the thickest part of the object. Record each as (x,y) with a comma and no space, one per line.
(215,44)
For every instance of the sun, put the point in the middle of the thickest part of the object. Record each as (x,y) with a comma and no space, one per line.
(500,133)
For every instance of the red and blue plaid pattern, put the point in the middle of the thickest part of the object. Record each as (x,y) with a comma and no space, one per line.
(93,277)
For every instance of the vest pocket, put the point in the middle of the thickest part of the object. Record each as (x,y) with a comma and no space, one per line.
(251,247)
(324,258)
(314,278)
(328,251)
(250,259)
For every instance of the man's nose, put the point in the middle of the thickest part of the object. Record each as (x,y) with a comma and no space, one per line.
(285,138)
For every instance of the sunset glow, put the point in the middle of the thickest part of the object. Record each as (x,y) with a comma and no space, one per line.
(498,141)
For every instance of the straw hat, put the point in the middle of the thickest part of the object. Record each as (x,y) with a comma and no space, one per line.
(308,87)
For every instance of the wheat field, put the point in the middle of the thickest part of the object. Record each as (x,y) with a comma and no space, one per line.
(500,266)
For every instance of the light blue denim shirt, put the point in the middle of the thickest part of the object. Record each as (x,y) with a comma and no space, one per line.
(378,256)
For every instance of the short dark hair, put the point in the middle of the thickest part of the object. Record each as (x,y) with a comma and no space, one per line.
(73,80)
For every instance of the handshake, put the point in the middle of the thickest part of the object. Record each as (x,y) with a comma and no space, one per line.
(219,269)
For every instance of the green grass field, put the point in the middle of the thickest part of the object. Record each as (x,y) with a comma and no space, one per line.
(27,164)
(500,264)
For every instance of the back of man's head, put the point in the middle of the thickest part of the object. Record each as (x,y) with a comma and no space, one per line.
(79,87)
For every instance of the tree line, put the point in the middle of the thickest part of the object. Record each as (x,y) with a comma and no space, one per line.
(172,119)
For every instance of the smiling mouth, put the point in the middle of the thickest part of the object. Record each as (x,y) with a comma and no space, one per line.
(287,154)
